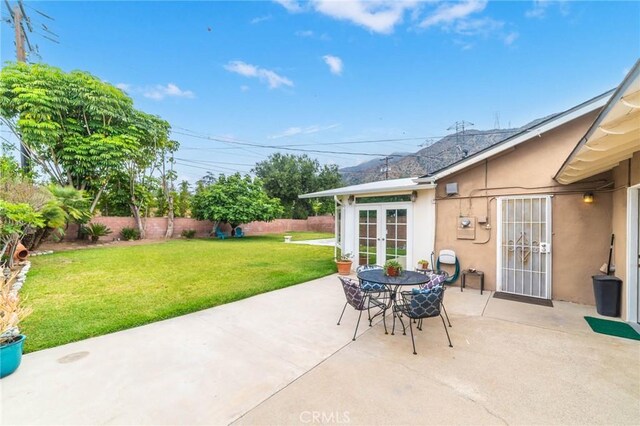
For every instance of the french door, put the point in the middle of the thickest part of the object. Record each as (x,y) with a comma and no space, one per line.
(384,234)
(524,246)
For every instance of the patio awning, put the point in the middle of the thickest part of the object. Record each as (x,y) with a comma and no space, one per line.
(613,137)
(379,187)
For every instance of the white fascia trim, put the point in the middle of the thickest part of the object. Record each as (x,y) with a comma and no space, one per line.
(383,190)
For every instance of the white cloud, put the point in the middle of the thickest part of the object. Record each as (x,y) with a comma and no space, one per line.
(125,87)
(510,38)
(293,131)
(273,79)
(291,5)
(449,13)
(541,7)
(379,16)
(311,34)
(476,27)
(160,92)
(383,16)
(334,63)
(305,33)
(259,19)
(244,88)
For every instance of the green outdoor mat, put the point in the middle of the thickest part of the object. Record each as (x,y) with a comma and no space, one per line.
(612,328)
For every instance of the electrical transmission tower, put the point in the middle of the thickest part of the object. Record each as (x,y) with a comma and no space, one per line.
(18,18)
(460,127)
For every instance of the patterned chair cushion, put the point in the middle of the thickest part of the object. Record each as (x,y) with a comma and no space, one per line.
(368,267)
(424,303)
(434,280)
(353,292)
(369,286)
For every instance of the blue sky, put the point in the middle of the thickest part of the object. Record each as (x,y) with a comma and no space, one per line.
(323,72)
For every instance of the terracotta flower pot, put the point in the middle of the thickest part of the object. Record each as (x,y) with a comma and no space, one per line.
(392,271)
(344,267)
(21,252)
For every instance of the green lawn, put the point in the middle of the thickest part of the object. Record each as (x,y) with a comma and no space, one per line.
(84,293)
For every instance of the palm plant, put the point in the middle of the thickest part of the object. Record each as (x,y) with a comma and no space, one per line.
(96,230)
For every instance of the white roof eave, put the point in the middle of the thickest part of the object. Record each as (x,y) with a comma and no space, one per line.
(613,137)
(379,187)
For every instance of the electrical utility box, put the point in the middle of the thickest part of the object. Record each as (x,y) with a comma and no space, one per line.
(466,228)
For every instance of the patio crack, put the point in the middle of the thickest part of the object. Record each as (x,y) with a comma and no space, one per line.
(457,392)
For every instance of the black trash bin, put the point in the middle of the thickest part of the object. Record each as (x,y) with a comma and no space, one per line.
(606,289)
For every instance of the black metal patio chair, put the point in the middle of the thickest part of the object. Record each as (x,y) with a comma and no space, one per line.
(419,304)
(435,279)
(360,301)
(379,291)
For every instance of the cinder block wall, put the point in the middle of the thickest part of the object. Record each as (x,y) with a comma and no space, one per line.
(156,227)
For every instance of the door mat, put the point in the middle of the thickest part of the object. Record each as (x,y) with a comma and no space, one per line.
(612,328)
(523,299)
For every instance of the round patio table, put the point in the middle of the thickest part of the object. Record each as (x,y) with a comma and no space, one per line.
(407,278)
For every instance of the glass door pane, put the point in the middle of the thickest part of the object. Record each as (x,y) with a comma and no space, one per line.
(367,237)
(396,235)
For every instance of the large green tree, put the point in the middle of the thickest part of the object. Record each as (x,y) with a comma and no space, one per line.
(286,176)
(234,199)
(80,130)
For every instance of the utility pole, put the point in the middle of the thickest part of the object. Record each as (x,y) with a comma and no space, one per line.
(21,56)
(385,168)
(17,24)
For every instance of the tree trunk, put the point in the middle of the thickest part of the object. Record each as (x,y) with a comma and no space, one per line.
(170,217)
(95,200)
(136,215)
(40,238)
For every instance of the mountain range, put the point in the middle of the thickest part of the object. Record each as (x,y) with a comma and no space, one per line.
(436,156)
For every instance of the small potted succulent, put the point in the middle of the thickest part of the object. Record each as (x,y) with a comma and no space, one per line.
(423,264)
(11,313)
(344,263)
(392,268)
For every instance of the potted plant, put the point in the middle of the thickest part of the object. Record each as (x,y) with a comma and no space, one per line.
(344,263)
(392,268)
(423,264)
(11,313)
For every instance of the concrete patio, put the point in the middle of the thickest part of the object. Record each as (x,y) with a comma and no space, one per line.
(279,358)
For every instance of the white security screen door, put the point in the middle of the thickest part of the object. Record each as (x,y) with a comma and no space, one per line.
(524,246)
(383,234)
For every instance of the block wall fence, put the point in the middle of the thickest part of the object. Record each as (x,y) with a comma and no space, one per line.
(156,227)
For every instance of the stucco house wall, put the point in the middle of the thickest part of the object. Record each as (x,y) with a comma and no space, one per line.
(580,232)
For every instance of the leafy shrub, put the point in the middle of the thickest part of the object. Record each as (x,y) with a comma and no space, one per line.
(96,230)
(188,233)
(129,234)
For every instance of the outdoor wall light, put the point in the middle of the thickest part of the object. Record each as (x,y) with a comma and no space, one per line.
(588,197)
(351,199)
(414,196)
